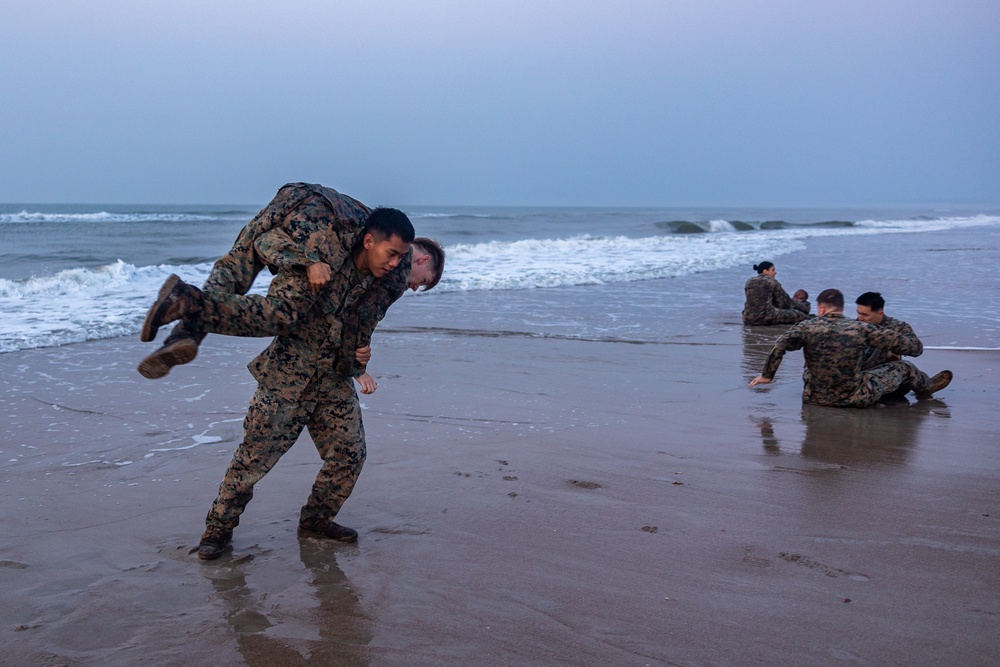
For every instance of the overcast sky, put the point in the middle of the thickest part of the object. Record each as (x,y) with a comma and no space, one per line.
(537,102)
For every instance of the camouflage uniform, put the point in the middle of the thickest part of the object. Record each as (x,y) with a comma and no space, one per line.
(305,381)
(768,303)
(834,347)
(304,223)
(874,356)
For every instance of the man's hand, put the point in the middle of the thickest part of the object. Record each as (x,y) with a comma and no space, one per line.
(367,382)
(319,275)
(363,355)
(760,379)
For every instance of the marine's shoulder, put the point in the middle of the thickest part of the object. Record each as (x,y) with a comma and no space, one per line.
(834,321)
(894,323)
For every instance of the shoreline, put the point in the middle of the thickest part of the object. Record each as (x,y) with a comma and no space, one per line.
(526,500)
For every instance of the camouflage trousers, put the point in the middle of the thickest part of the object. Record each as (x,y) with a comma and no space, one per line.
(253,315)
(779,316)
(271,427)
(895,377)
(225,308)
(233,273)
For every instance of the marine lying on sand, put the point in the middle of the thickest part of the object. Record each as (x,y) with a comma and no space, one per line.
(834,350)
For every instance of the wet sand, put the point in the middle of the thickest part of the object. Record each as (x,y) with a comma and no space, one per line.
(526,500)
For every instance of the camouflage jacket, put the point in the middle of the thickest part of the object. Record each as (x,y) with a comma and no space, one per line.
(874,356)
(318,352)
(833,348)
(361,318)
(765,296)
(305,223)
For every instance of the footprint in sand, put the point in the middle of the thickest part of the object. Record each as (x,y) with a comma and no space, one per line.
(828,570)
(17,565)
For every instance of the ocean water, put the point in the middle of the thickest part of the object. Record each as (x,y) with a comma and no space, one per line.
(648,275)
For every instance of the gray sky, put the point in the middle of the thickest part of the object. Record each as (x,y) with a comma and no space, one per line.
(538,102)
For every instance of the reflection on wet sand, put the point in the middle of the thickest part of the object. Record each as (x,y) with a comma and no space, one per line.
(757,344)
(850,437)
(326,627)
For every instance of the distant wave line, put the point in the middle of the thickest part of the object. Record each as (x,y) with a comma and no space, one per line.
(24,217)
(493,333)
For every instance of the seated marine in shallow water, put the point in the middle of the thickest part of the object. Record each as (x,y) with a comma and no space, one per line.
(871,309)
(834,348)
(768,303)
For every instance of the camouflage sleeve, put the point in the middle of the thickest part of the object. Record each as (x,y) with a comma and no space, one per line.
(792,339)
(779,297)
(360,324)
(387,293)
(801,305)
(279,249)
(899,340)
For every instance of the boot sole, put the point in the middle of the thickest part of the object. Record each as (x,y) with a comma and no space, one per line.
(946,378)
(212,555)
(149,330)
(350,539)
(160,362)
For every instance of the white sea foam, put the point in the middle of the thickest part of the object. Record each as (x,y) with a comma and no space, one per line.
(81,304)
(102,216)
(929,225)
(587,260)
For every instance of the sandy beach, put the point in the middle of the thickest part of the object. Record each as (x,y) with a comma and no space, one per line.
(526,500)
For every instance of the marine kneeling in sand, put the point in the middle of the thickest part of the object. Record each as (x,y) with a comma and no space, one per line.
(834,349)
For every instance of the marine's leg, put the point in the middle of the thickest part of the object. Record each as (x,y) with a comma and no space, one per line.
(337,430)
(911,377)
(253,315)
(886,380)
(788,316)
(233,273)
(271,427)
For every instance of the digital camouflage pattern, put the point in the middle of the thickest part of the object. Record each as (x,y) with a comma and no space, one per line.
(305,375)
(768,303)
(300,384)
(834,348)
(315,351)
(876,357)
(361,318)
(271,427)
(298,211)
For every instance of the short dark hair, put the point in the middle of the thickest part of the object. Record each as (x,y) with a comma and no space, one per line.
(872,300)
(390,222)
(434,249)
(831,297)
(762,267)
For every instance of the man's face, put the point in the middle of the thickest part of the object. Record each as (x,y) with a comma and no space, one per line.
(421,272)
(866,314)
(382,256)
